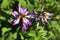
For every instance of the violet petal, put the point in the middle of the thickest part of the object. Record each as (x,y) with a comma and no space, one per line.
(14,22)
(30,16)
(21,9)
(15,13)
(27,22)
(25,12)
(24,27)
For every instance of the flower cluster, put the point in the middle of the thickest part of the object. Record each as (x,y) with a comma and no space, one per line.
(44,17)
(23,14)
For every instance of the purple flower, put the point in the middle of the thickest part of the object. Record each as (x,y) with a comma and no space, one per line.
(23,14)
(44,17)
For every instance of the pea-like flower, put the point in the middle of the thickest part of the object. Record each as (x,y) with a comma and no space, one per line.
(22,14)
(44,17)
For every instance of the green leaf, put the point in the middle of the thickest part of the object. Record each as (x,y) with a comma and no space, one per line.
(2,17)
(22,2)
(9,12)
(55,25)
(14,36)
(51,35)
(5,30)
(32,34)
(5,4)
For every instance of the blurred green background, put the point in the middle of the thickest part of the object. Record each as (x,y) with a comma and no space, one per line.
(35,32)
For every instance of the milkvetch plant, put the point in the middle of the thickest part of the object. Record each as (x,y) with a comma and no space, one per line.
(50,29)
(23,14)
